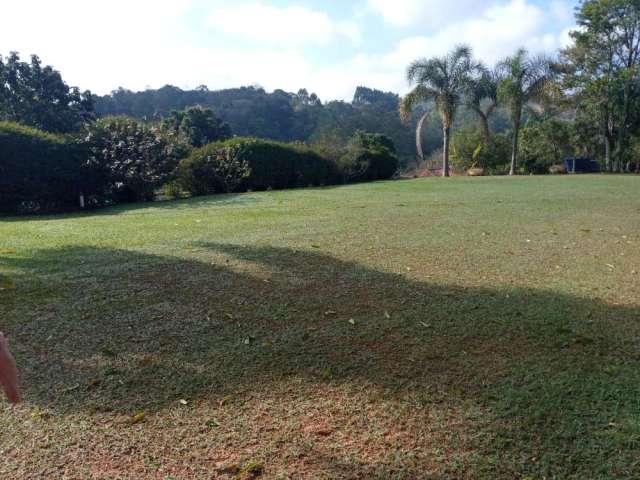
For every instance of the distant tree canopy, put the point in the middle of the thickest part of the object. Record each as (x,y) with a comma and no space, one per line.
(38,97)
(283,116)
(196,126)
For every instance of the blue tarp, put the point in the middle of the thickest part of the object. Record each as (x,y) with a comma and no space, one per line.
(581,165)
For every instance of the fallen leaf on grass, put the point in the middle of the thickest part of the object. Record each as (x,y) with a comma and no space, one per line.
(183,402)
(7,285)
(146,360)
(212,423)
(387,315)
(225,400)
(137,418)
(40,415)
(611,370)
(611,266)
(329,312)
(71,389)
(231,469)
(94,382)
(7,251)
(352,321)
(251,470)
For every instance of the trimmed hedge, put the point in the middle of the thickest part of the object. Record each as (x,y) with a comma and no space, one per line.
(39,171)
(213,169)
(272,165)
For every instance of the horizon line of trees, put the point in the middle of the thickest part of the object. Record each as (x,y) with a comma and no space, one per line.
(523,115)
(192,152)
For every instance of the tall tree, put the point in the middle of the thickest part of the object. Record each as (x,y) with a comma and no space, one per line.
(525,79)
(36,96)
(602,70)
(444,80)
(482,99)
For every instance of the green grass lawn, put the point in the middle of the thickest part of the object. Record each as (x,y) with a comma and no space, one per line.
(435,328)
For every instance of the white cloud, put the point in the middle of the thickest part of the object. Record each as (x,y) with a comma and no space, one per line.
(287,26)
(494,34)
(137,43)
(433,13)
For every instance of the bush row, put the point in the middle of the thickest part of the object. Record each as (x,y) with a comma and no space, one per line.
(119,160)
(242,164)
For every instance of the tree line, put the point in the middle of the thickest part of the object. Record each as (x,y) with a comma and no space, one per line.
(523,115)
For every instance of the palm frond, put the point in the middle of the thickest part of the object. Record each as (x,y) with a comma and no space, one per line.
(418,95)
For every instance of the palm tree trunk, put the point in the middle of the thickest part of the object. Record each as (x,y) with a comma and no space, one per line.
(486,131)
(419,136)
(514,147)
(445,151)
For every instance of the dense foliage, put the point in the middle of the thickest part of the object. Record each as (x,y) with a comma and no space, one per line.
(282,116)
(214,168)
(136,158)
(38,171)
(602,77)
(471,150)
(269,165)
(245,163)
(368,157)
(196,126)
(37,96)
(546,142)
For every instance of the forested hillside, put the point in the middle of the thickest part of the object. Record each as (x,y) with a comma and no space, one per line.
(280,115)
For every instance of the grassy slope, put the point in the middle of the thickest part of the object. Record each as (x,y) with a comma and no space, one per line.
(461,328)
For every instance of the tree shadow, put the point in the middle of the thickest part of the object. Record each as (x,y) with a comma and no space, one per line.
(99,330)
(185,204)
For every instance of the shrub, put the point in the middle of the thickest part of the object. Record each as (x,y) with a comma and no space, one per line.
(214,168)
(136,157)
(368,157)
(470,151)
(544,143)
(272,165)
(172,189)
(41,171)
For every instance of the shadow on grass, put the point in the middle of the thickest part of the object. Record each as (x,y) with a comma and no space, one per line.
(118,331)
(141,207)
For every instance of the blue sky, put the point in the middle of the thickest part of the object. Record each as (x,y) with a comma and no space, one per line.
(329,47)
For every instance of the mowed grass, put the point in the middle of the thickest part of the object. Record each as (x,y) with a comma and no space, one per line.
(436,328)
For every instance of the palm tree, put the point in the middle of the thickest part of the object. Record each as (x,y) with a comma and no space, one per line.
(526,79)
(444,80)
(482,99)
